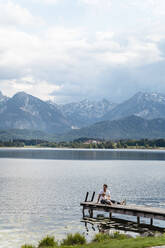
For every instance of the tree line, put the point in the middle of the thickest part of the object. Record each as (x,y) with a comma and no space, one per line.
(87,143)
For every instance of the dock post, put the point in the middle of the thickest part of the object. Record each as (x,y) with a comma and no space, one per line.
(86,198)
(151,221)
(110,215)
(138,219)
(83,212)
(93,197)
(91,213)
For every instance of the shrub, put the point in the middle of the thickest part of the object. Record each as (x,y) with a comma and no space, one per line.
(117,235)
(74,239)
(27,246)
(100,237)
(47,242)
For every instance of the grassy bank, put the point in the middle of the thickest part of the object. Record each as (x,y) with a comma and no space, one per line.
(100,241)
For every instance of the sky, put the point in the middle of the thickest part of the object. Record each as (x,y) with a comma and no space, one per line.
(68,50)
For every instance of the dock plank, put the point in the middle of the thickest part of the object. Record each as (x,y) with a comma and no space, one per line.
(134,210)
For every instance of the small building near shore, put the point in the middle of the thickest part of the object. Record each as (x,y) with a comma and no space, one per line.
(88,142)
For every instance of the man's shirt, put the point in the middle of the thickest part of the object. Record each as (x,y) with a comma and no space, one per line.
(107,194)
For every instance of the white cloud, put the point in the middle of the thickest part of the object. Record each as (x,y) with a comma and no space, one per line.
(97,3)
(56,59)
(17,48)
(47,1)
(14,14)
(150,7)
(40,88)
(104,35)
(59,57)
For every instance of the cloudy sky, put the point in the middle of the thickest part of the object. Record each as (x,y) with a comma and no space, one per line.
(75,49)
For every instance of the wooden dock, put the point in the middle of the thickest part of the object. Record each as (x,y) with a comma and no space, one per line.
(131,210)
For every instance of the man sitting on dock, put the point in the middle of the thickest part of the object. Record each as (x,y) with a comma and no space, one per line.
(105,197)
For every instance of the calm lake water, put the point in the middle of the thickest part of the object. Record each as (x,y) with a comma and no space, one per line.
(41,194)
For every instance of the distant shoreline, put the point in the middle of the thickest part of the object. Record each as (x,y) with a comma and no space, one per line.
(86,143)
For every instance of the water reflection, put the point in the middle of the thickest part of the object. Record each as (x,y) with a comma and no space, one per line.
(105,225)
(82,154)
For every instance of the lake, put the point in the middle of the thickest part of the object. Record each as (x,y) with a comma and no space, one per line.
(41,189)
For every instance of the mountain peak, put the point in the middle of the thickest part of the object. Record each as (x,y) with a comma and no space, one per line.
(23,97)
(149,96)
(24,111)
(148,105)
(21,94)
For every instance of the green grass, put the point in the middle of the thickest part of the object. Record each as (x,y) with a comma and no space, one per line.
(74,239)
(48,241)
(102,237)
(27,246)
(101,241)
(129,243)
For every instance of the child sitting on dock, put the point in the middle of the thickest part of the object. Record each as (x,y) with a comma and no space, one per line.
(105,197)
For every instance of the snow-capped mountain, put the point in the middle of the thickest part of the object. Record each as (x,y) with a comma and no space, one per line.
(24,111)
(144,105)
(86,112)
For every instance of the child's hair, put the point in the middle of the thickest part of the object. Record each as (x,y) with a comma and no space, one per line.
(105,185)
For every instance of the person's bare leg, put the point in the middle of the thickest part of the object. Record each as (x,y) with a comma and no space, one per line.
(118,203)
(123,202)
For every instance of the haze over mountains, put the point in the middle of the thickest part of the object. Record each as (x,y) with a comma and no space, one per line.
(141,116)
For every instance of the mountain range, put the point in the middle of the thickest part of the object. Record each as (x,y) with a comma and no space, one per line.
(85,112)
(141,116)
